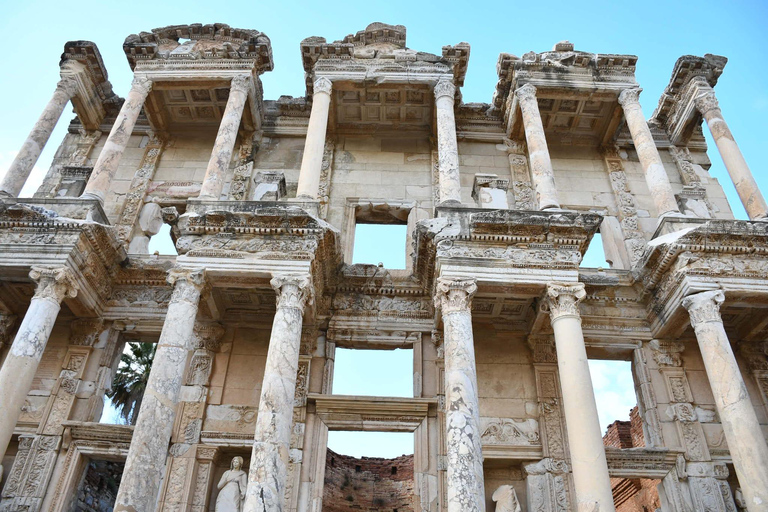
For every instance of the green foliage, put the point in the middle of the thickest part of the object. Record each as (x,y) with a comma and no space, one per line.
(131,380)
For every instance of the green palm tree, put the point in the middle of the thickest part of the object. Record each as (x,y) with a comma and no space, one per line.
(131,380)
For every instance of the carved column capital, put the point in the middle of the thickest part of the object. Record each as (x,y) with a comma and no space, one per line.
(515,147)
(240,83)
(84,331)
(142,85)
(208,335)
(706,101)
(526,92)
(187,284)
(630,97)
(444,87)
(564,298)
(323,85)
(67,85)
(54,283)
(454,295)
(293,291)
(704,307)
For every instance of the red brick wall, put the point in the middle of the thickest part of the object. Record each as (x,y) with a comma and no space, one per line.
(631,495)
(367,484)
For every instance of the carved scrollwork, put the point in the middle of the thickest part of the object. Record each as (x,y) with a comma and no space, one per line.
(323,85)
(706,101)
(293,291)
(630,97)
(187,284)
(445,87)
(54,283)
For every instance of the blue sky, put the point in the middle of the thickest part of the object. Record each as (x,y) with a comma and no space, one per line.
(658,32)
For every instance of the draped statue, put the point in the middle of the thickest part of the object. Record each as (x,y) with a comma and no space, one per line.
(506,499)
(232,488)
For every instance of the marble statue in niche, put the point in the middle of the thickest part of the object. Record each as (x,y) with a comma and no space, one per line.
(232,488)
(506,500)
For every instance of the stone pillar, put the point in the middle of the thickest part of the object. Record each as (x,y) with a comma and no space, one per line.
(53,285)
(30,151)
(218,165)
(145,464)
(106,165)
(312,160)
(750,195)
(742,431)
(271,443)
(590,468)
(538,151)
(447,147)
(465,481)
(655,174)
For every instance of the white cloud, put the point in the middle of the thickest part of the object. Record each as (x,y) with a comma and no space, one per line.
(614,390)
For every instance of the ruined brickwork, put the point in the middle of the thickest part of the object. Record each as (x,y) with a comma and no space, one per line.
(368,483)
(500,201)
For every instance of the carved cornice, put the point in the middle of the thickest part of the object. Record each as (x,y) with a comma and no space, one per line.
(704,307)
(454,295)
(293,291)
(564,298)
(54,283)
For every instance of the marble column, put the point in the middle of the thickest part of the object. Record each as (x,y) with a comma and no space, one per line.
(54,284)
(106,165)
(218,165)
(585,439)
(746,443)
(312,160)
(447,147)
(271,442)
(145,464)
(538,152)
(30,151)
(465,481)
(655,174)
(750,195)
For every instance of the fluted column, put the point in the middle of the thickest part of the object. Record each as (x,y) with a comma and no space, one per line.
(538,152)
(106,165)
(145,464)
(312,159)
(466,489)
(655,174)
(30,151)
(590,469)
(54,284)
(218,165)
(751,197)
(447,146)
(746,443)
(271,442)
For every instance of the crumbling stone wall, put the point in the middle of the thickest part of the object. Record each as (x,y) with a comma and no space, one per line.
(368,483)
(631,495)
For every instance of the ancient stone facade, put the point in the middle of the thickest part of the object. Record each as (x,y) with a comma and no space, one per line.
(501,201)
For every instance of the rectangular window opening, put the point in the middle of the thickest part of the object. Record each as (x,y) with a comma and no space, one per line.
(123,401)
(380,244)
(373,372)
(369,471)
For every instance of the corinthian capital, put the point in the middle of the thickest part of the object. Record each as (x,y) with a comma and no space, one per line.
(704,307)
(526,92)
(67,85)
(629,97)
(141,84)
(323,85)
(293,290)
(454,295)
(706,101)
(564,298)
(444,87)
(240,83)
(187,284)
(54,283)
